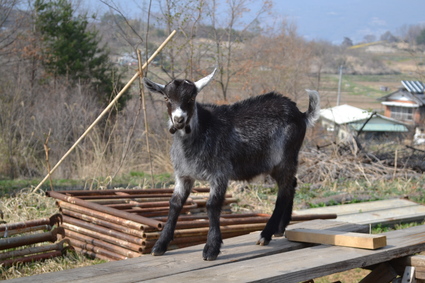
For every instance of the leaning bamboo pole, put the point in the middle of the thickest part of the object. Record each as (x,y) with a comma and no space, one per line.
(107,108)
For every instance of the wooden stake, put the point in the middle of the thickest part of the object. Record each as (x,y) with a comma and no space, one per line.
(47,149)
(145,115)
(330,237)
(107,108)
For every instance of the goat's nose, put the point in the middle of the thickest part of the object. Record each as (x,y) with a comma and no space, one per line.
(178,119)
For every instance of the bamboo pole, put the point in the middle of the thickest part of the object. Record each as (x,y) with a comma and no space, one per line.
(59,246)
(107,224)
(8,243)
(105,209)
(145,115)
(66,206)
(96,250)
(103,230)
(31,258)
(107,108)
(99,236)
(92,255)
(9,233)
(53,220)
(102,244)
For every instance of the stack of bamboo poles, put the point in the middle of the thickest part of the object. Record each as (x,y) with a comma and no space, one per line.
(26,241)
(119,224)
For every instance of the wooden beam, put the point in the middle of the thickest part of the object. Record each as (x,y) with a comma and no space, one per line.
(337,238)
(384,272)
(417,261)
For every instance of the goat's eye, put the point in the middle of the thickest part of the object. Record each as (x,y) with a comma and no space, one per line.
(166,98)
(192,99)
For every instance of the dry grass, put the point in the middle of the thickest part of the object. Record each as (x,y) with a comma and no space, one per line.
(27,204)
(69,261)
(30,204)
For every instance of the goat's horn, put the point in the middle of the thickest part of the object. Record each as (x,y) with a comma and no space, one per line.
(204,81)
(152,86)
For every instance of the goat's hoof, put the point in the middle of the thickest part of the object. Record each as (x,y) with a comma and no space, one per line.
(155,253)
(210,258)
(263,242)
(158,251)
(210,253)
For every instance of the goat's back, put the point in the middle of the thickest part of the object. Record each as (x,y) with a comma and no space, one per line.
(244,139)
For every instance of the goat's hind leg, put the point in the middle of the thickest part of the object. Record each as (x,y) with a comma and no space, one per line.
(179,197)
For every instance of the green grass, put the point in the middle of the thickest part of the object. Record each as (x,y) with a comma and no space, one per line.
(133,179)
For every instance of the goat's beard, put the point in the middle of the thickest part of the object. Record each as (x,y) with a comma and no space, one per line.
(187,129)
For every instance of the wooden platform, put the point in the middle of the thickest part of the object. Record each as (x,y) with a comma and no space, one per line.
(243,261)
(385,212)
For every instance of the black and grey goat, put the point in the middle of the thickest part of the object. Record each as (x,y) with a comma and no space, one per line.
(260,135)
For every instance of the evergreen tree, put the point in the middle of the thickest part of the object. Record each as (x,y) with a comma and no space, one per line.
(73,51)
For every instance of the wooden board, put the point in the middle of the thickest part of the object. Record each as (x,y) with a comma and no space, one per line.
(337,238)
(148,267)
(301,265)
(386,212)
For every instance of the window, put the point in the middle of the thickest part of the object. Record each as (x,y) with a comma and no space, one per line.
(402,113)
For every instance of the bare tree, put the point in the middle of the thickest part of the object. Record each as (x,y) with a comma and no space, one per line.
(10,20)
(280,62)
(227,40)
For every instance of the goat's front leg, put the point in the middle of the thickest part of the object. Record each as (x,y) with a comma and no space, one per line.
(214,204)
(179,197)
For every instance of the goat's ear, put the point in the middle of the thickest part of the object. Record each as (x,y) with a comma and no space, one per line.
(153,87)
(204,81)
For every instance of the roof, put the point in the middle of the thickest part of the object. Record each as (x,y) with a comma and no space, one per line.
(344,114)
(413,86)
(380,127)
(412,91)
(356,117)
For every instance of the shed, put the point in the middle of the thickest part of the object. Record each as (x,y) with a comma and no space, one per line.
(345,120)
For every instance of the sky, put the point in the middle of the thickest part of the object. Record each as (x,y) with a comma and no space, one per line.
(330,20)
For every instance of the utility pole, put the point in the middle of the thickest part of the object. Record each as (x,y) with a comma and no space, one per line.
(339,86)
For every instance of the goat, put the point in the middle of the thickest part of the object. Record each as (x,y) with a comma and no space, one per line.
(259,135)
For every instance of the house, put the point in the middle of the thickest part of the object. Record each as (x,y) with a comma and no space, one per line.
(345,120)
(407,104)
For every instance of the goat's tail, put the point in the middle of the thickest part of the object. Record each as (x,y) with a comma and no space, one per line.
(313,111)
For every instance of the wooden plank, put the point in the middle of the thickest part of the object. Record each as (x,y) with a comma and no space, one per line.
(337,238)
(395,215)
(304,264)
(387,212)
(384,273)
(420,274)
(356,208)
(186,259)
